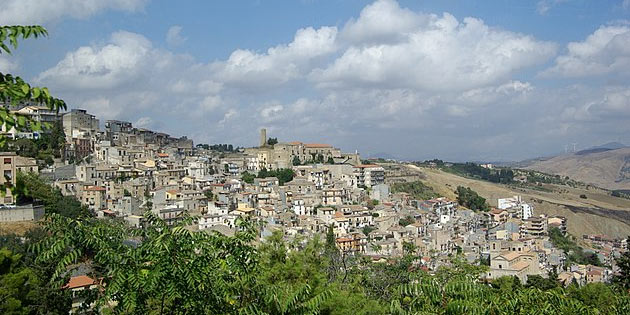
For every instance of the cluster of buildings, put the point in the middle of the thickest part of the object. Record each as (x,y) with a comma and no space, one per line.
(123,172)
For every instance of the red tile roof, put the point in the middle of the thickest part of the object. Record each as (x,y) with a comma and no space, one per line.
(79,282)
(318,145)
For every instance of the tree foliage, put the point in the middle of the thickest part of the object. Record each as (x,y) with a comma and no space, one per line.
(470,199)
(284,175)
(417,190)
(575,253)
(31,187)
(623,263)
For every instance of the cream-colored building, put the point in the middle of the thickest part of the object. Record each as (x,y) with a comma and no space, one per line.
(519,264)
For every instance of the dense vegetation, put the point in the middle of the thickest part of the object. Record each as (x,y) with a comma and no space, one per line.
(31,188)
(417,190)
(574,253)
(284,175)
(503,176)
(172,270)
(470,199)
(621,193)
(539,177)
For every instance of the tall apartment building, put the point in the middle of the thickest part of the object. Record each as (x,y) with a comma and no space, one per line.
(114,129)
(77,121)
(369,175)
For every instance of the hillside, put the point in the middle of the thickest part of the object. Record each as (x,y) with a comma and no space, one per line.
(608,169)
(600,213)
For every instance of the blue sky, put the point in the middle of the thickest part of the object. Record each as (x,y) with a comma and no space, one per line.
(458,80)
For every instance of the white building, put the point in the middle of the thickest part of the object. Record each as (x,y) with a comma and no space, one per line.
(523,210)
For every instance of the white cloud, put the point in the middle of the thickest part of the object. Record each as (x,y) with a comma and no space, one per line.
(231,113)
(29,12)
(174,36)
(93,67)
(7,65)
(102,107)
(382,21)
(615,104)
(143,122)
(437,78)
(279,64)
(439,54)
(605,51)
(543,6)
(211,102)
(271,112)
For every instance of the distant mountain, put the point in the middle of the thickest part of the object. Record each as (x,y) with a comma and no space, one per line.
(602,166)
(589,151)
(602,148)
(610,146)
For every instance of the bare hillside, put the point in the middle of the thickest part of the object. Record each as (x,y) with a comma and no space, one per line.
(609,169)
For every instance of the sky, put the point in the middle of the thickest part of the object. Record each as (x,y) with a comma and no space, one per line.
(500,80)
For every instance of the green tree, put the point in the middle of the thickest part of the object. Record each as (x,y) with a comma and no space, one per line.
(574,253)
(208,194)
(18,284)
(247,177)
(272,141)
(406,221)
(332,253)
(417,190)
(470,199)
(296,161)
(30,187)
(622,279)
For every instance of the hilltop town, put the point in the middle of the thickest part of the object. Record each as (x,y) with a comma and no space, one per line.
(302,190)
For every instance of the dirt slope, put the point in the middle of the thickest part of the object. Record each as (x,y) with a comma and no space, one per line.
(608,169)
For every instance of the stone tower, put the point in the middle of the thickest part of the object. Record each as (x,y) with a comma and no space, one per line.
(263,137)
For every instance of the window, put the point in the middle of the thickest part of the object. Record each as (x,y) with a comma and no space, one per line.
(8,174)
(7,160)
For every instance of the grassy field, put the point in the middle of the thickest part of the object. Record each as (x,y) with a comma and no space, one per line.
(600,213)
